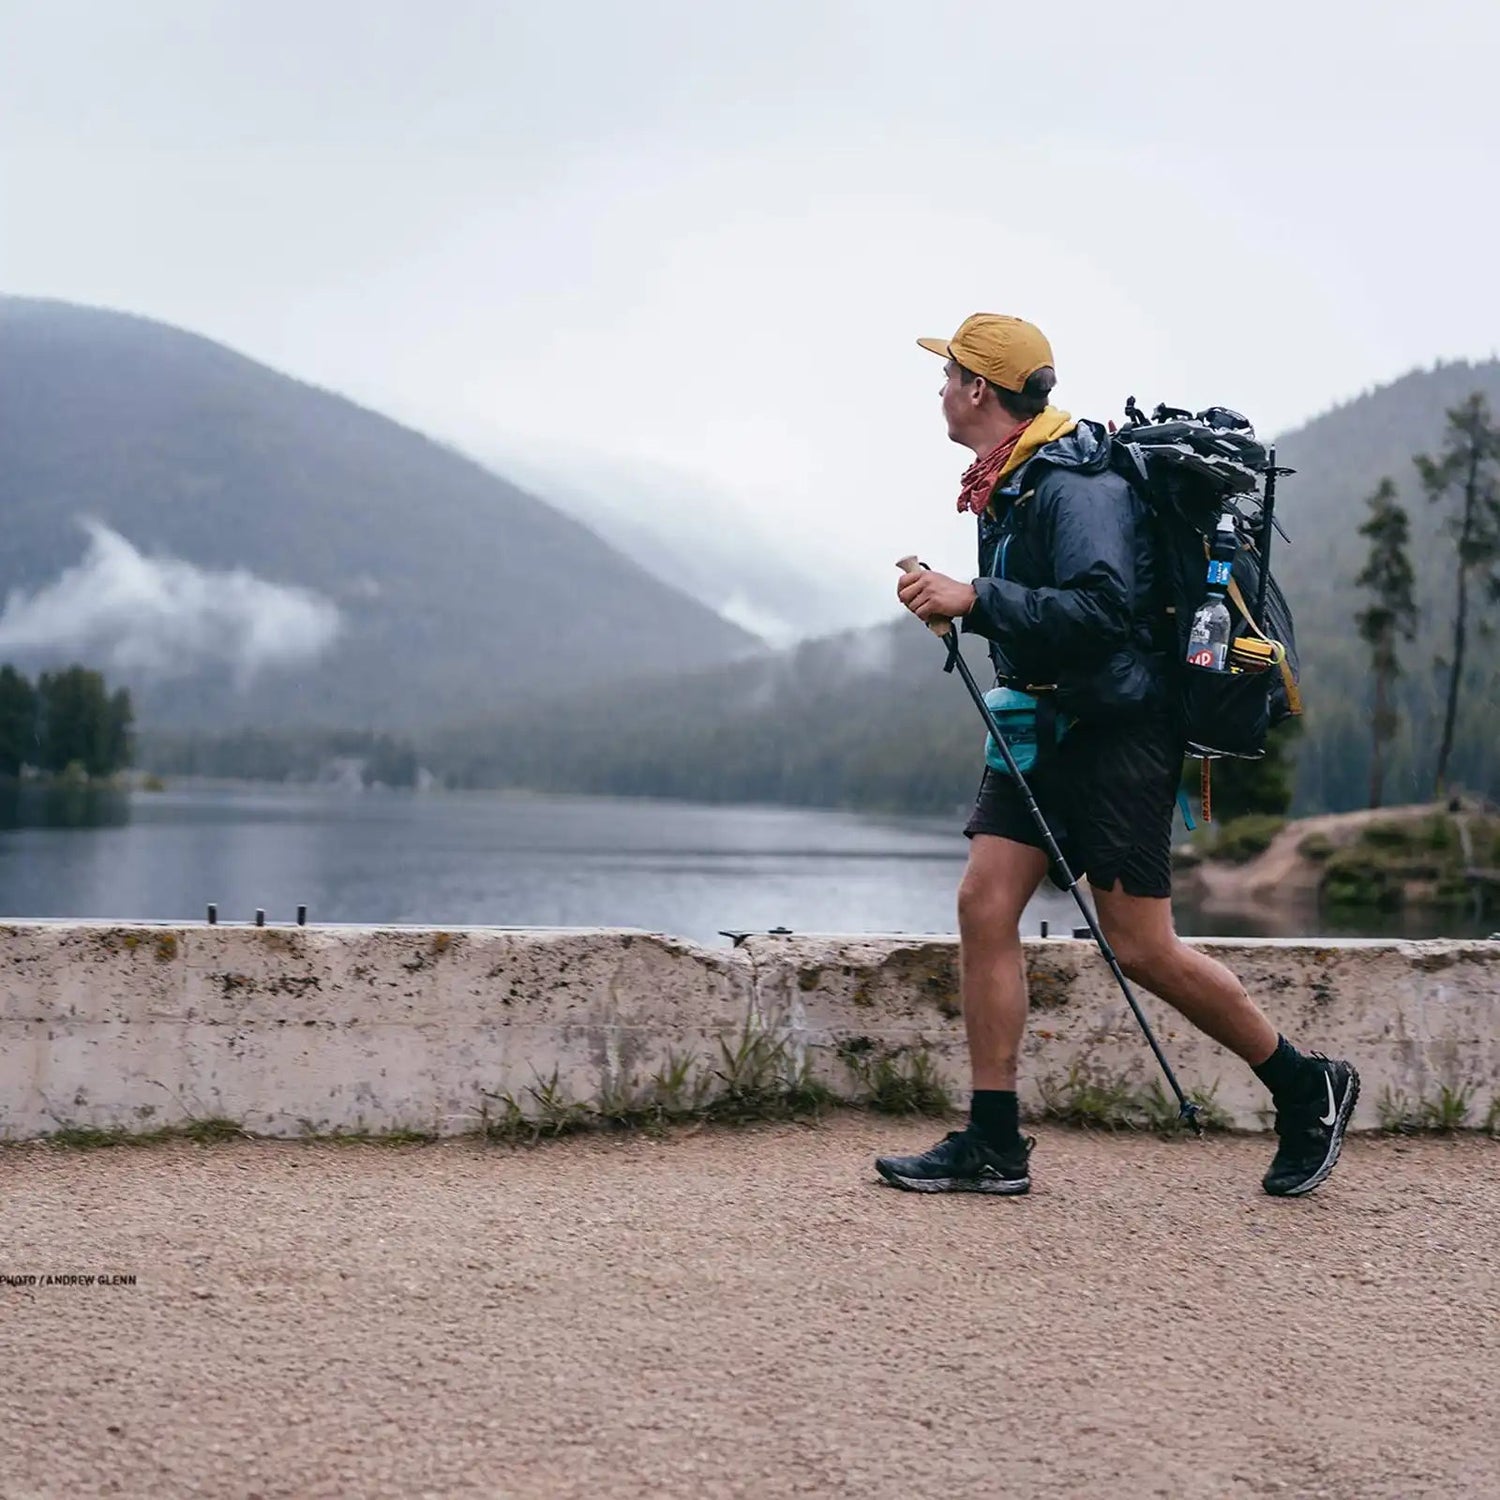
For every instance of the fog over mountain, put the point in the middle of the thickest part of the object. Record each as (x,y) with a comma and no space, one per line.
(154,619)
(745,562)
(241,548)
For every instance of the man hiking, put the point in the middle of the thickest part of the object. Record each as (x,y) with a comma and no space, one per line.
(1066,598)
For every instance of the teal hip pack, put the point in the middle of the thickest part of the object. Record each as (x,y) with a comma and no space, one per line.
(1019,717)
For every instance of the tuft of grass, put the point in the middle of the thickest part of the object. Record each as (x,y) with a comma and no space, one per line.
(92,1138)
(1163,1116)
(1449,1110)
(755,1079)
(806,1096)
(556,1113)
(89,1138)
(750,1072)
(678,1089)
(897,1081)
(676,1093)
(553,1113)
(211,1129)
(1096,1100)
(508,1124)
(621,1104)
(1090,1098)
(1439,1114)
(760,1082)
(1398,1113)
(1492,1116)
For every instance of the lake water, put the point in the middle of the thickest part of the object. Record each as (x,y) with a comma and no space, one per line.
(494,859)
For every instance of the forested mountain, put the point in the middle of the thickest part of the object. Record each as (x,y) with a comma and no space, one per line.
(1340,459)
(869,719)
(331,567)
(862,719)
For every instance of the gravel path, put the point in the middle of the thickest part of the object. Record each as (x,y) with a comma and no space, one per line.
(748,1313)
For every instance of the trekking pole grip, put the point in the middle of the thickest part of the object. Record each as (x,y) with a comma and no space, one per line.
(938,624)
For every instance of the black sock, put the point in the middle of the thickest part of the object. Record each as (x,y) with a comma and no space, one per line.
(994,1116)
(1280,1070)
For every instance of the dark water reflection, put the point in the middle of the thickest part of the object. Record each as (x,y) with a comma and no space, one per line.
(516,860)
(33,804)
(1331,922)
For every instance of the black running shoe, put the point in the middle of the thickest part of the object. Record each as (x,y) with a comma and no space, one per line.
(1311,1123)
(961,1163)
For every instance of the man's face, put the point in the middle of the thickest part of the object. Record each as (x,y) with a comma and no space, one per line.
(959,405)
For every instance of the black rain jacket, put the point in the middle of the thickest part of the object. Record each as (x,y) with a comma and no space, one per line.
(1067,592)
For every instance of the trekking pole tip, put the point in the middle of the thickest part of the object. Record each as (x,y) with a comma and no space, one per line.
(1192,1114)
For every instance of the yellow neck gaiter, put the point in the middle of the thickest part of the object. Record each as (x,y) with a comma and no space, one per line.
(1046,427)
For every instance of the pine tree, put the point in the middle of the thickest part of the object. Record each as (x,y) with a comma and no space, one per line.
(18,708)
(1393,613)
(80,723)
(1470,466)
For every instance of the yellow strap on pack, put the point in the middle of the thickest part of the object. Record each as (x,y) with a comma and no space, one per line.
(1293,697)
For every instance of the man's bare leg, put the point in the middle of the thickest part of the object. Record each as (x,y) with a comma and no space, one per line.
(990,1156)
(1140,930)
(1314,1097)
(1001,878)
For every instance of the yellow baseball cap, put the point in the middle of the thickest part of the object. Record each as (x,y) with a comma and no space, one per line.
(1006,351)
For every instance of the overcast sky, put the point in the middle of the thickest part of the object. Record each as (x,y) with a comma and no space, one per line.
(703,236)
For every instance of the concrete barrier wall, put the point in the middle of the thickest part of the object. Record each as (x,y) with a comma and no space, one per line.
(301,1031)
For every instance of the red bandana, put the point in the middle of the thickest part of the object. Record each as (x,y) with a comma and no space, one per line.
(983,474)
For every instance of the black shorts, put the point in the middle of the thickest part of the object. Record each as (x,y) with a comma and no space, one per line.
(1108,792)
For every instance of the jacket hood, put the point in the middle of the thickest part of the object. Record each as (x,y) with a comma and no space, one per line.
(1083,447)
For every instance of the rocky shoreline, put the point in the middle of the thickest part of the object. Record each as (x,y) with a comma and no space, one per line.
(1440,856)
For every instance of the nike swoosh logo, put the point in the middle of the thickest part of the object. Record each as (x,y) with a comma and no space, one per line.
(1333,1112)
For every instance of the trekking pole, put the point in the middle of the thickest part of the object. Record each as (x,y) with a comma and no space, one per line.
(1268,519)
(1269,523)
(1186,1109)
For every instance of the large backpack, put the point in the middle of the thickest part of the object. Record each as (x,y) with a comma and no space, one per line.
(1191,469)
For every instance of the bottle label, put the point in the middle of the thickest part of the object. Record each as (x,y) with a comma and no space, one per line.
(1218,572)
(1210,658)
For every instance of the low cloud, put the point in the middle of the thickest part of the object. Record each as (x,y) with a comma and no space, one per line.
(871,652)
(161,617)
(765,623)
